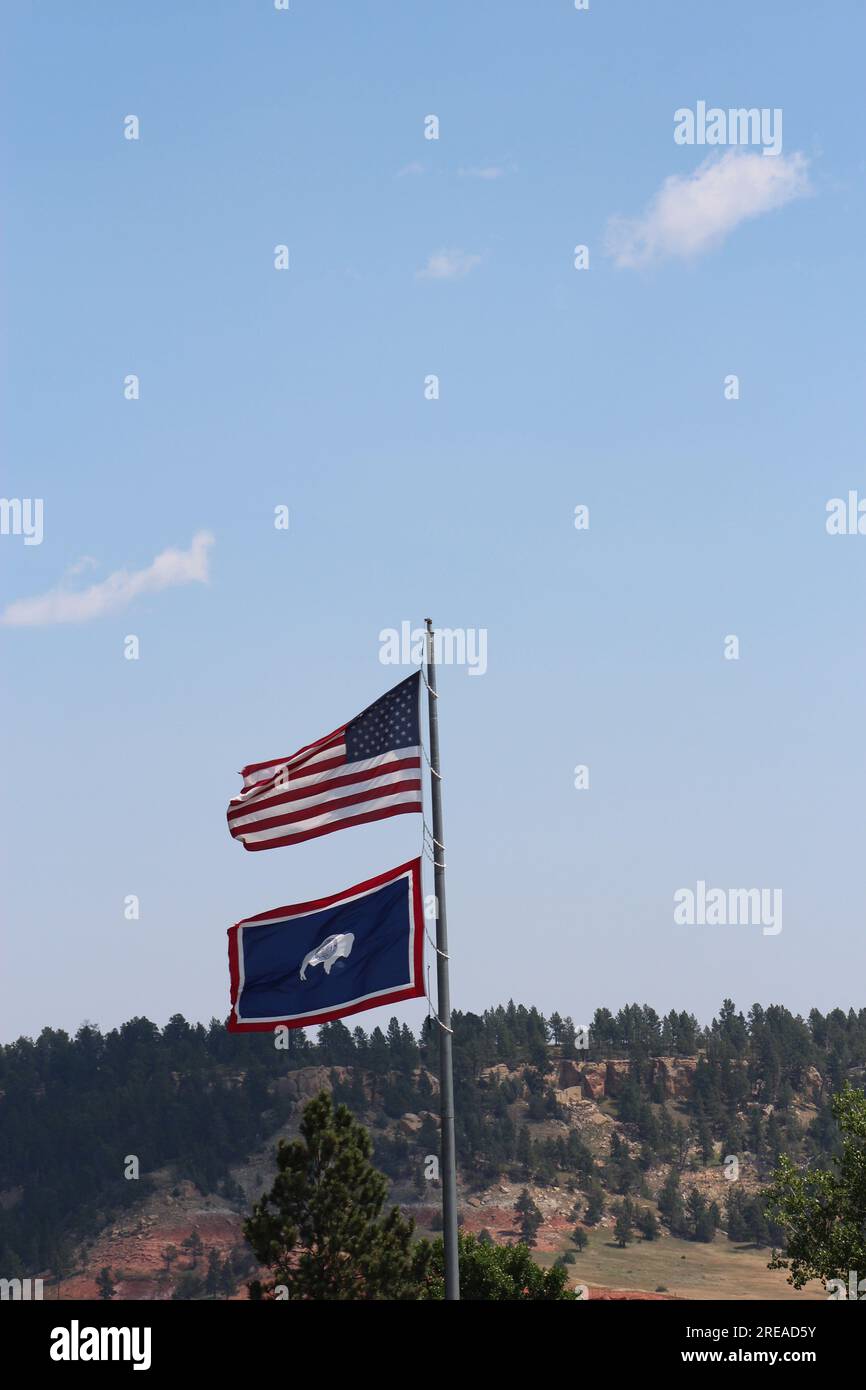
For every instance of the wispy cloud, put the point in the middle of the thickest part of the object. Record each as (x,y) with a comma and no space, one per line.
(487,172)
(448,265)
(414,168)
(692,214)
(86,562)
(169,569)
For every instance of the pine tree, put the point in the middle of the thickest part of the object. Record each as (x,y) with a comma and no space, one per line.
(704,1139)
(622,1228)
(214,1268)
(569,1039)
(105,1284)
(670,1203)
(594,1205)
(647,1223)
(696,1206)
(378,1057)
(195,1245)
(227,1280)
(755,1138)
(734,1222)
(320,1229)
(702,1219)
(734,1141)
(530,1218)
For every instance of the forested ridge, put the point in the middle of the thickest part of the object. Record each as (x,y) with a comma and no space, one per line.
(198,1099)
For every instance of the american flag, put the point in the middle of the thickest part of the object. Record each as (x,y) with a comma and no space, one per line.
(366,770)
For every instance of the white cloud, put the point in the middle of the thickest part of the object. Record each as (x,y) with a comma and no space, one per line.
(690,215)
(169,569)
(489,171)
(448,265)
(86,562)
(414,168)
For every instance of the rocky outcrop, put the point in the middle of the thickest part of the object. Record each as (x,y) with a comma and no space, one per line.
(571,1096)
(616,1073)
(593,1083)
(570,1074)
(501,1072)
(307,1082)
(588,1077)
(674,1076)
(813,1085)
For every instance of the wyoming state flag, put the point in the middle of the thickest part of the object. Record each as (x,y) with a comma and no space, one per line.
(314,962)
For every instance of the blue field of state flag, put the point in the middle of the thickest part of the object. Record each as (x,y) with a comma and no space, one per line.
(313,962)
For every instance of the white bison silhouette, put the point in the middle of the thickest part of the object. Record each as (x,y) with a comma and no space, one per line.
(331,949)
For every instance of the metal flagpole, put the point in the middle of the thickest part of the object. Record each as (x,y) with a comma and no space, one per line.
(446,1073)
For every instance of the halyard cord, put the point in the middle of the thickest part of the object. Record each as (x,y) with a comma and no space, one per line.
(437,843)
(434,693)
(443,954)
(431,1013)
(431,853)
(430,1010)
(433,771)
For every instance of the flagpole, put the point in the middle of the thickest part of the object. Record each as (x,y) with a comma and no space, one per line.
(446,1071)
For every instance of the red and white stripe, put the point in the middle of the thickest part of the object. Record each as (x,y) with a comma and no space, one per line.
(316,791)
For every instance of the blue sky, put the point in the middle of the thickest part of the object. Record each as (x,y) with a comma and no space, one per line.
(558,387)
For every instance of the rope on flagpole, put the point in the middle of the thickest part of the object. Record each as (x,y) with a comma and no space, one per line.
(437,843)
(450,1235)
(434,773)
(431,1012)
(425,849)
(432,856)
(431,836)
(443,954)
(434,695)
(431,853)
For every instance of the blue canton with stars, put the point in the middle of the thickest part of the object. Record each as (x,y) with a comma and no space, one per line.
(389,724)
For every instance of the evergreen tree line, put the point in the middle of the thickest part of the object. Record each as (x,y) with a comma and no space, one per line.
(72,1108)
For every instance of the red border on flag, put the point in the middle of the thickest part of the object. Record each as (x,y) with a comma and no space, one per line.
(414,990)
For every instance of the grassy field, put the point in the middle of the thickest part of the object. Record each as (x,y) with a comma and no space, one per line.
(686,1268)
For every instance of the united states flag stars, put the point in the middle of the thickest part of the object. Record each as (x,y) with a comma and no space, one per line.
(366,770)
